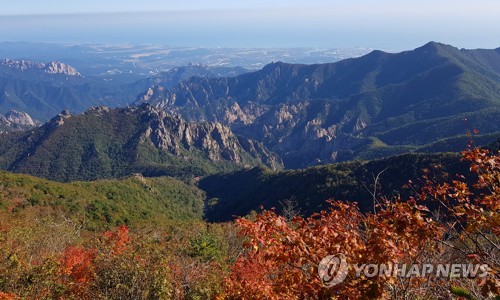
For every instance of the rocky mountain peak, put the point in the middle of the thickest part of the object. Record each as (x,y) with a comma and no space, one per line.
(98,109)
(16,120)
(21,65)
(59,119)
(147,95)
(173,134)
(53,67)
(20,118)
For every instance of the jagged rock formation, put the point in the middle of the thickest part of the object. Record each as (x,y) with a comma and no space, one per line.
(373,106)
(216,141)
(20,118)
(103,143)
(53,67)
(59,119)
(16,120)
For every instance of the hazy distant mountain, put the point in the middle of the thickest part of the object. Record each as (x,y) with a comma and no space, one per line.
(372,106)
(174,76)
(53,67)
(127,63)
(44,89)
(104,143)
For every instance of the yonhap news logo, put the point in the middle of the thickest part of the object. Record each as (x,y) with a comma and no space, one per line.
(333,269)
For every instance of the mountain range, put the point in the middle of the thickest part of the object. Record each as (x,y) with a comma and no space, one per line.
(290,115)
(110,143)
(44,89)
(53,67)
(373,106)
(220,197)
(128,63)
(174,76)
(229,135)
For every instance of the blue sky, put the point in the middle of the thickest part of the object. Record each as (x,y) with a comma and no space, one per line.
(383,24)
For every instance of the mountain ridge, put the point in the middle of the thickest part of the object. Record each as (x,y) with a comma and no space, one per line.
(108,143)
(53,67)
(45,89)
(102,204)
(316,114)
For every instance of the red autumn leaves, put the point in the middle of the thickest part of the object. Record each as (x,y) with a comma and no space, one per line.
(281,258)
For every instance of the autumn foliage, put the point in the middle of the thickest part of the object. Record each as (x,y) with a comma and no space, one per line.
(8,296)
(455,221)
(182,261)
(446,219)
(117,241)
(77,268)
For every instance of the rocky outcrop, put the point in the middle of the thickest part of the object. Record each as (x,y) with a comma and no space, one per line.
(22,65)
(20,118)
(59,119)
(146,96)
(53,67)
(216,141)
(96,109)
(16,120)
